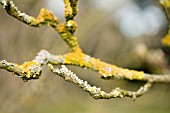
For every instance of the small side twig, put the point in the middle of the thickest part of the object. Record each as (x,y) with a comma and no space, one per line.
(66,30)
(94,91)
(157,78)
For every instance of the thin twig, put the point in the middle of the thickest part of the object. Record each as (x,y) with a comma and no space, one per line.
(66,29)
(94,91)
(26,71)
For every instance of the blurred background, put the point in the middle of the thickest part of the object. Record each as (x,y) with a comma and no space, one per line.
(127,33)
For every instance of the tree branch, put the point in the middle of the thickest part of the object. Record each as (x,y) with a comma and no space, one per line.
(26,71)
(66,29)
(94,91)
(32,70)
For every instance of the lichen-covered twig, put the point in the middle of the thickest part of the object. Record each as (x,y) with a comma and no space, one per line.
(157,78)
(107,71)
(32,70)
(71,9)
(26,71)
(44,18)
(66,29)
(94,91)
(44,57)
(12,10)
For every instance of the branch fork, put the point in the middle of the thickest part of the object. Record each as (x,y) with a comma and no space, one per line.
(33,69)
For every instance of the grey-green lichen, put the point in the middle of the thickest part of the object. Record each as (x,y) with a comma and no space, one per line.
(94,91)
(11,9)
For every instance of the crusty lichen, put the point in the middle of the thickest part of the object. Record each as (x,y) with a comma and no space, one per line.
(30,70)
(45,17)
(26,71)
(95,91)
(68,10)
(71,9)
(106,70)
(66,31)
(12,10)
(166,40)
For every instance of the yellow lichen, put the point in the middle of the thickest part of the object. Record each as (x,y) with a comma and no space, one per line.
(165,3)
(166,40)
(27,64)
(61,28)
(138,75)
(68,10)
(71,26)
(74,58)
(25,68)
(28,74)
(102,93)
(105,69)
(71,9)
(91,89)
(45,17)
(66,31)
